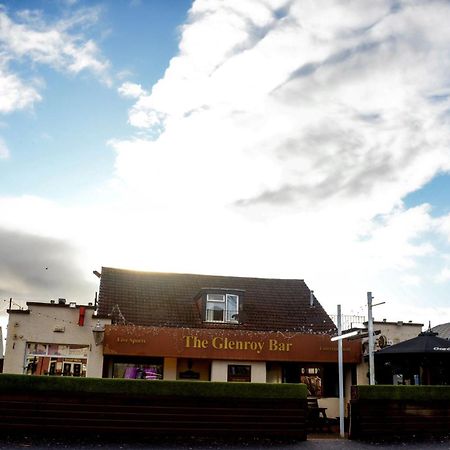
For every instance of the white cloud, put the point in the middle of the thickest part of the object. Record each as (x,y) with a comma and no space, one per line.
(14,94)
(285,136)
(444,275)
(320,108)
(30,40)
(292,132)
(131,90)
(52,44)
(4,150)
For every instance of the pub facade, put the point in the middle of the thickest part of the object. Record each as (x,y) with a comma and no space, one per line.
(216,328)
(166,326)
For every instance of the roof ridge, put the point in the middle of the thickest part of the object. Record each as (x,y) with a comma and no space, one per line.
(199,274)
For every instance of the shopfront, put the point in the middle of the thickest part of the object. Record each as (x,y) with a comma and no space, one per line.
(222,329)
(225,355)
(56,359)
(54,339)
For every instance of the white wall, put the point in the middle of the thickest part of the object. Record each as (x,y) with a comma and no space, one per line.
(219,370)
(37,324)
(1,343)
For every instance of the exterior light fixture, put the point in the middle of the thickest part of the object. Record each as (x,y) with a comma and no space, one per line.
(344,336)
(99,333)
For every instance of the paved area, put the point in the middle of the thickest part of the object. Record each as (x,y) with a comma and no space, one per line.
(74,442)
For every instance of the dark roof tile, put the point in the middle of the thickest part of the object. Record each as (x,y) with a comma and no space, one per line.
(168,299)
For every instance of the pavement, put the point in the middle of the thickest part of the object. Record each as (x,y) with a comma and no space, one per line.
(193,443)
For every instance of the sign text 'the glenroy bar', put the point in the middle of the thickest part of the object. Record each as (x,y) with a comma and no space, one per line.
(224,343)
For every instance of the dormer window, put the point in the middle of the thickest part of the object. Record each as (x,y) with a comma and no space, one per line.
(222,308)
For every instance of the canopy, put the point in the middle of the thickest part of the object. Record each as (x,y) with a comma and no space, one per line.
(426,342)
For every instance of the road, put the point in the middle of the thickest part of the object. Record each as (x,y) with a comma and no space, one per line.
(69,442)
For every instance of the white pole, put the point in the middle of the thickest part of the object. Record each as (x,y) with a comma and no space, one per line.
(371,341)
(341,374)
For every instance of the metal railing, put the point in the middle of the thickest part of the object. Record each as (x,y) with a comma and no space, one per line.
(348,321)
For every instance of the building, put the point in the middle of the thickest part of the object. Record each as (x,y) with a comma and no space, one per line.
(215,328)
(53,339)
(1,350)
(185,327)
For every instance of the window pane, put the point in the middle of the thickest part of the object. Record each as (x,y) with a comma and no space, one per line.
(215,311)
(240,373)
(216,298)
(232,307)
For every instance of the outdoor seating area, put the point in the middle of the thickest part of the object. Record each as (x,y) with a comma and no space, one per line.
(423,360)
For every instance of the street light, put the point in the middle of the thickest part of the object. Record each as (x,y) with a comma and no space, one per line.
(99,333)
(344,336)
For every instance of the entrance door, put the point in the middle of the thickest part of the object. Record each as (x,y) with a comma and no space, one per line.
(67,369)
(76,370)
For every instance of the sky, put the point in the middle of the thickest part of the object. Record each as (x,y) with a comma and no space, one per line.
(264,138)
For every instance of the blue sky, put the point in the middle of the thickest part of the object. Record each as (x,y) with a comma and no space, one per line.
(266,138)
(58,146)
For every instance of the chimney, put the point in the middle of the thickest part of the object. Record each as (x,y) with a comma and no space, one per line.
(311,298)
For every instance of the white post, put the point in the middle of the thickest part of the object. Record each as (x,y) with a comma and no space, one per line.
(341,374)
(371,341)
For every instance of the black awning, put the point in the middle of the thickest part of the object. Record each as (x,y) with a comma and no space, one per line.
(426,342)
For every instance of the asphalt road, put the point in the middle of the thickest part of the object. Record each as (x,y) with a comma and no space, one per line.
(74,442)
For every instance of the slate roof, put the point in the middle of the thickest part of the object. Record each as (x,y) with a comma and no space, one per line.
(442,330)
(168,299)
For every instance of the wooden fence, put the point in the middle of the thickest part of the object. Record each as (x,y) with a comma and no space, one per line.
(112,414)
(403,418)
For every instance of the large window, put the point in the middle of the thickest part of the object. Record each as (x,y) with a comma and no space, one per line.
(56,359)
(222,308)
(135,368)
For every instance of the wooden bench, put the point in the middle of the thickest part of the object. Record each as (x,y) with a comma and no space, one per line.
(317,416)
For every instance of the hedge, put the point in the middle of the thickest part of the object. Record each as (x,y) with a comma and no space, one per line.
(204,389)
(407,393)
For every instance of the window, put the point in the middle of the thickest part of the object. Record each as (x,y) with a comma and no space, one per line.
(138,371)
(312,377)
(222,308)
(56,359)
(240,373)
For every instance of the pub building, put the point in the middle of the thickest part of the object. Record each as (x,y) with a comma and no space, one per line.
(218,328)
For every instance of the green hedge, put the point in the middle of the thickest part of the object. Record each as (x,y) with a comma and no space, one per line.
(204,389)
(411,393)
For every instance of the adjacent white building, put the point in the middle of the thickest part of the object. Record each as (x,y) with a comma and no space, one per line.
(1,350)
(53,339)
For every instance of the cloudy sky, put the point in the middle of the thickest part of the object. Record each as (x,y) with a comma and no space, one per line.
(273,138)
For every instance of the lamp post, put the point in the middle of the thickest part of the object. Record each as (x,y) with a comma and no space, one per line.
(371,341)
(341,374)
(371,335)
(340,337)
(350,334)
